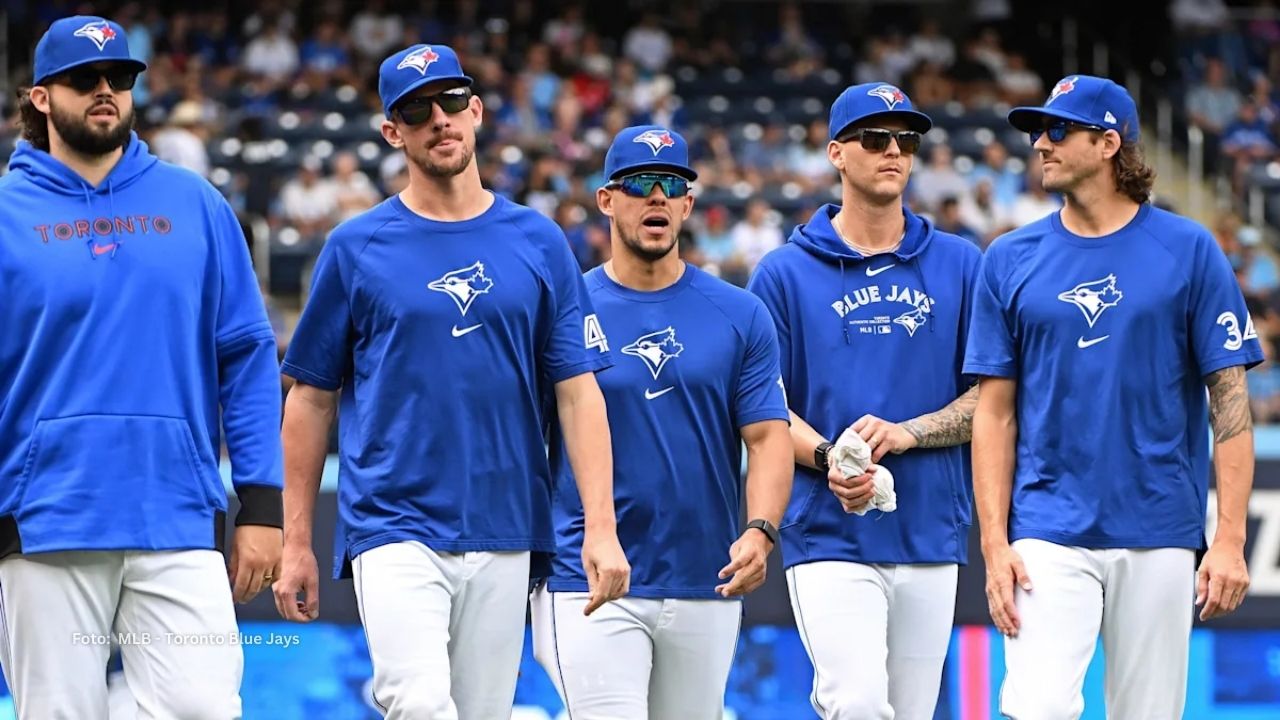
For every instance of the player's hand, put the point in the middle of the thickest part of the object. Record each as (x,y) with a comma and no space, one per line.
(608,572)
(255,560)
(853,493)
(1222,581)
(299,573)
(1005,573)
(883,437)
(747,564)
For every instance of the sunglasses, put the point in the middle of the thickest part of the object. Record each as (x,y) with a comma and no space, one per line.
(877,139)
(1058,131)
(642,184)
(85,80)
(418,110)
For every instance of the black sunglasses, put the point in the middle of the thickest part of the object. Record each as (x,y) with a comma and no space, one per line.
(1058,131)
(418,110)
(641,185)
(85,80)
(877,139)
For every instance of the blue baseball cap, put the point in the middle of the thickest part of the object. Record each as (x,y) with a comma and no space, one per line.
(414,67)
(648,147)
(878,100)
(81,40)
(1087,100)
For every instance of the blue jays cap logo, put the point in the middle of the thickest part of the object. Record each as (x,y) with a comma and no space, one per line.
(98,31)
(657,140)
(419,60)
(1063,87)
(463,285)
(1094,297)
(655,349)
(891,95)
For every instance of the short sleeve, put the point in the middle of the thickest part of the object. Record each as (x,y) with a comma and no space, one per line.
(1221,329)
(760,394)
(990,348)
(764,285)
(320,349)
(576,343)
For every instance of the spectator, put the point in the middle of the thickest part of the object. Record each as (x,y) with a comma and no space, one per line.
(756,234)
(1034,203)
(353,190)
(309,202)
(1213,104)
(1006,182)
(809,163)
(716,241)
(182,140)
(648,44)
(1245,141)
(937,180)
(272,55)
(979,211)
(930,45)
(948,220)
(374,31)
(324,56)
(1018,84)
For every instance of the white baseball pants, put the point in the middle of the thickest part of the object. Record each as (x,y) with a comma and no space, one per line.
(877,636)
(1141,601)
(445,630)
(636,658)
(170,612)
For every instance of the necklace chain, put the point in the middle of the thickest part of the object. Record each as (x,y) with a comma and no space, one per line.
(864,251)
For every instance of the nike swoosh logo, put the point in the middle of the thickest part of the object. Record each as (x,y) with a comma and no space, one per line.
(459,333)
(877,271)
(1082,343)
(103,249)
(649,394)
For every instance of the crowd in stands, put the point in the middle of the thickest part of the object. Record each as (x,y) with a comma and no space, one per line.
(277,105)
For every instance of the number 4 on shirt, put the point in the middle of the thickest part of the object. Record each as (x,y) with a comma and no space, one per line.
(594,334)
(1234,339)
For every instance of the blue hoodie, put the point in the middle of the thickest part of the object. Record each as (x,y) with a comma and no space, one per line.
(133,327)
(882,336)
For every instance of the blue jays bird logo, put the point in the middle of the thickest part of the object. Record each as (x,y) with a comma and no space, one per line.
(98,31)
(889,94)
(912,321)
(419,60)
(1063,87)
(1094,297)
(463,285)
(657,140)
(655,349)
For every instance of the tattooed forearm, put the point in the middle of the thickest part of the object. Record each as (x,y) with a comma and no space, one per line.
(1228,403)
(952,425)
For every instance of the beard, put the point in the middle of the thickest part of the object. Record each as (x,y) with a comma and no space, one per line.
(652,251)
(447,169)
(84,138)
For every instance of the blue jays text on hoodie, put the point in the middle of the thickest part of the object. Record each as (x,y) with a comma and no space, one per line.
(884,336)
(133,330)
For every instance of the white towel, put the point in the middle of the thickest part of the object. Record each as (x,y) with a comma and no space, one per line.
(852,456)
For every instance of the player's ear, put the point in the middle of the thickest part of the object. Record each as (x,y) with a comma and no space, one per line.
(40,98)
(391,133)
(688,206)
(477,110)
(604,201)
(1110,144)
(835,153)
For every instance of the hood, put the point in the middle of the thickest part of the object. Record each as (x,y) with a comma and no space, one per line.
(50,174)
(819,238)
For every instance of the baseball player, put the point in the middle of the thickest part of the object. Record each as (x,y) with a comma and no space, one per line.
(438,314)
(871,304)
(134,341)
(1095,333)
(696,377)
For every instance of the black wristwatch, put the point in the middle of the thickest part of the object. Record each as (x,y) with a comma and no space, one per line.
(820,455)
(765,527)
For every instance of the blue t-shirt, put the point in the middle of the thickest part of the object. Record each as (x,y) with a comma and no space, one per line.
(696,362)
(440,335)
(1110,340)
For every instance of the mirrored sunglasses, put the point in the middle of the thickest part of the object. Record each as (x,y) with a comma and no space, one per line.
(641,185)
(1058,131)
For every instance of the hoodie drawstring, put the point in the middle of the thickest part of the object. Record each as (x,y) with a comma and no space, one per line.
(115,238)
(844,324)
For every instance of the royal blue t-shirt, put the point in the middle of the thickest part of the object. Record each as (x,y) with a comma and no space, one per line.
(1110,340)
(440,335)
(694,363)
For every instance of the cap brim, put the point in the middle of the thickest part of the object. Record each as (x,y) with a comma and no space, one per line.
(684,172)
(1030,119)
(916,121)
(463,79)
(136,64)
